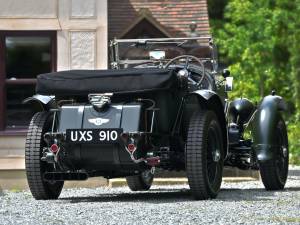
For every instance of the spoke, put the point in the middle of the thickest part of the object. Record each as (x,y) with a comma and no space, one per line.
(212,172)
(281,159)
(186,62)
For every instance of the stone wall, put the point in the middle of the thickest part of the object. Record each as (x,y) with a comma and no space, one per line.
(82,42)
(81,27)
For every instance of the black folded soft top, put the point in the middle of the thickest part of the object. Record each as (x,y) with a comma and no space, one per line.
(83,82)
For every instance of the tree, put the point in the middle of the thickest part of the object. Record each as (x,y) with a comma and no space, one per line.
(260,41)
(252,42)
(294,44)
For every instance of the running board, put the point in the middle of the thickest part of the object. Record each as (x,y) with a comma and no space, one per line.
(61,176)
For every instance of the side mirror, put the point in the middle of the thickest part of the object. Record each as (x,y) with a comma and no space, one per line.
(228,84)
(225,73)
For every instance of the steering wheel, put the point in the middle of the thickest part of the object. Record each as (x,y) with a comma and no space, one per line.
(187,59)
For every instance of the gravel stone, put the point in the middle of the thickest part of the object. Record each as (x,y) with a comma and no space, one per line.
(237,203)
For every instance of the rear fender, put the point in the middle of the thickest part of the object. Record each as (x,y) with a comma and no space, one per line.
(264,125)
(210,100)
(41,102)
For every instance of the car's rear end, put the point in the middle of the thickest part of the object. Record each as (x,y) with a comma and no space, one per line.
(95,138)
(102,123)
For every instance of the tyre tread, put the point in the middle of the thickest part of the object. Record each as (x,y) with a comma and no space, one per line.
(195,167)
(37,185)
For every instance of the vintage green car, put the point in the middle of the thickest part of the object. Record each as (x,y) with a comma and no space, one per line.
(163,104)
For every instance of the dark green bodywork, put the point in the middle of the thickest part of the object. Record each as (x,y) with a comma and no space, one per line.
(264,123)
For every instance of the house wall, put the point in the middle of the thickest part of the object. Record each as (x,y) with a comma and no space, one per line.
(82,42)
(81,27)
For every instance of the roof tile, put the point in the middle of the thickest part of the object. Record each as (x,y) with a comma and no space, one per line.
(174,15)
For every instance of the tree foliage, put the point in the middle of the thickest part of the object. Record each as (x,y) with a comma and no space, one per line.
(260,40)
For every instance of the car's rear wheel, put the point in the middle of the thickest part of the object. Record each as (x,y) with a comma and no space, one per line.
(204,155)
(141,182)
(274,172)
(35,168)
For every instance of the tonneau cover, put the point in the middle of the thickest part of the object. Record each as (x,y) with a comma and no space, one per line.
(83,82)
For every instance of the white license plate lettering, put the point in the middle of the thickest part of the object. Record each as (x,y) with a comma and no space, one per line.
(74,135)
(82,136)
(89,135)
(114,135)
(108,135)
(102,135)
(93,136)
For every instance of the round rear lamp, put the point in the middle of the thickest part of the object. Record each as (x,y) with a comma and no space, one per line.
(54,148)
(131,147)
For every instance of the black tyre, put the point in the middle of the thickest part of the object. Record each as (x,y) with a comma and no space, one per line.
(204,155)
(35,168)
(274,172)
(141,182)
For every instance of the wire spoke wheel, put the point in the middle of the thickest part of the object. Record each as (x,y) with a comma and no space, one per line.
(213,156)
(274,172)
(281,159)
(204,155)
(35,168)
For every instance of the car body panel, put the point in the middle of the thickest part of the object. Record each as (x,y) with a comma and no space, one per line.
(265,120)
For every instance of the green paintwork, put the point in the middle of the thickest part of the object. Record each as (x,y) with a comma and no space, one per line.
(264,124)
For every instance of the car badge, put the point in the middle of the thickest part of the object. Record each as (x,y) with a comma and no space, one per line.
(98,121)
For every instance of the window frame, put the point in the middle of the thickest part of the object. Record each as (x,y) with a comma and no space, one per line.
(19,82)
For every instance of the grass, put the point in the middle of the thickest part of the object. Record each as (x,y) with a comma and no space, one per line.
(285,219)
(15,190)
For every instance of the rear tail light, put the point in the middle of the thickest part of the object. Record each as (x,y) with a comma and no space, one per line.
(54,148)
(131,147)
(153,161)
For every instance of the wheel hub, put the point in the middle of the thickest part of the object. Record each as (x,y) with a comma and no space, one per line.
(152,170)
(284,151)
(216,155)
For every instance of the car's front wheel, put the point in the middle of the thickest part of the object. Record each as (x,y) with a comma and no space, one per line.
(35,168)
(274,172)
(204,155)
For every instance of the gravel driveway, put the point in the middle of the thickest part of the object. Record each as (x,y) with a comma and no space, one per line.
(237,203)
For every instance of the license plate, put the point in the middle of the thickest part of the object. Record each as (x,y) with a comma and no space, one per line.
(93,136)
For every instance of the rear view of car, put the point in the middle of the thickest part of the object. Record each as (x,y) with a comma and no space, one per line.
(163,105)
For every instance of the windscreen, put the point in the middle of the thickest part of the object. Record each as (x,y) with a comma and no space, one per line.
(143,51)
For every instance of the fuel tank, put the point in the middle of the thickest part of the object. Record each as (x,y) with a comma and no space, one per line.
(125,116)
(240,110)
(103,157)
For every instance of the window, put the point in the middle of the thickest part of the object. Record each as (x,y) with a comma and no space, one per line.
(23,55)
